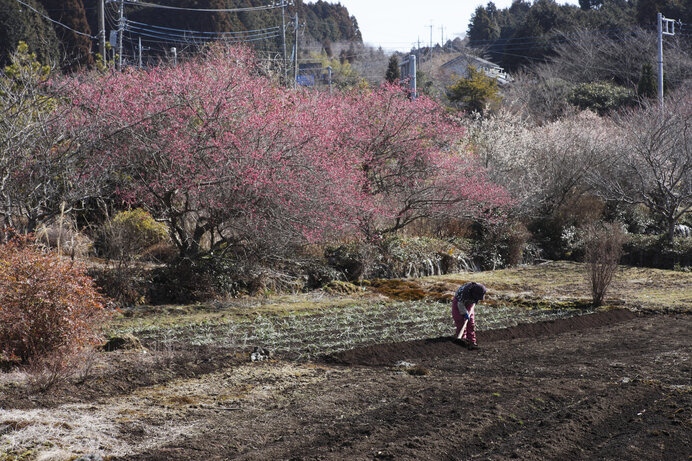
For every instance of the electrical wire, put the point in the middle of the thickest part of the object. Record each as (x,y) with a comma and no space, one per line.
(162,40)
(193,37)
(206,10)
(152,26)
(56,22)
(151,33)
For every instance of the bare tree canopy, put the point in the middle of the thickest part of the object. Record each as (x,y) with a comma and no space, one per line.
(653,165)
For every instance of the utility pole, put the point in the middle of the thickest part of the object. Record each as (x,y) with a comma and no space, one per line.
(329,71)
(102,32)
(442,38)
(665,27)
(295,55)
(140,52)
(121,29)
(412,71)
(408,74)
(283,30)
(174,50)
(431,53)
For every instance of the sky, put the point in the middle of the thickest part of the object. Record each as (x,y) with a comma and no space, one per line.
(397,25)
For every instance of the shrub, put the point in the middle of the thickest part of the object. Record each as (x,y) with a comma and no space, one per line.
(128,237)
(63,235)
(49,306)
(125,284)
(602,252)
(130,233)
(500,245)
(183,281)
(601,97)
(352,260)
(657,251)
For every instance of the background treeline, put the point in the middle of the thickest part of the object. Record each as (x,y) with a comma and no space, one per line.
(324,22)
(528,33)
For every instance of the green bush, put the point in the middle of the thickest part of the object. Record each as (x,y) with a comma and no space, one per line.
(130,233)
(657,251)
(601,97)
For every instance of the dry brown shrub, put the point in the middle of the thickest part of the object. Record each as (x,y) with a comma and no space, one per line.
(602,252)
(50,307)
(62,235)
(48,370)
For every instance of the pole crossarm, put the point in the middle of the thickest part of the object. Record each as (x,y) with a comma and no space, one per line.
(667,26)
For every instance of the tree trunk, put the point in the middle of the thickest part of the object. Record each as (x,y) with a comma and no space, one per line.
(671,229)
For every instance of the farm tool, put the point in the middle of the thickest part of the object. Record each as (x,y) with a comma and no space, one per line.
(463,330)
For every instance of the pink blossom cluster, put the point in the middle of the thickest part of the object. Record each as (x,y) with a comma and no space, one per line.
(216,150)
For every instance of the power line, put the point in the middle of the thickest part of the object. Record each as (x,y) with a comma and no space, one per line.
(206,10)
(192,36)
(54,21)
(533,38)
(152,26)
(196,38)
(151,33)
(163,40)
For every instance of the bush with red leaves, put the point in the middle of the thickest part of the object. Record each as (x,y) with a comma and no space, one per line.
(48,306)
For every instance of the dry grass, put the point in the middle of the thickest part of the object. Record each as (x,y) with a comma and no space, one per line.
(161,414)
(556,282)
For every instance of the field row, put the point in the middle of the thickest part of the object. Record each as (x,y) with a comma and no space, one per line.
(300,336)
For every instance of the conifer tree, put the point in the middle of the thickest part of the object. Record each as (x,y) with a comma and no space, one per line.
(20,23)
(393,75)
(75,48)
(646,88)
(475,92)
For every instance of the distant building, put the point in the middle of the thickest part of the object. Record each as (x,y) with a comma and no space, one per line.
(310,73)
(459,67)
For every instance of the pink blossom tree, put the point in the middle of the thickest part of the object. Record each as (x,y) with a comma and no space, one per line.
(414,162)
(220,154)
(230,161)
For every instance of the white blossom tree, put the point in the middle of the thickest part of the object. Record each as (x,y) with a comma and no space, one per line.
(653,165)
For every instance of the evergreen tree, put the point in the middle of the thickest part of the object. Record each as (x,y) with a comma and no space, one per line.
(648,9)
(475,92)
(647,87)
(590,4)
(75,48)
(483,27)
(393,74)
(19,23)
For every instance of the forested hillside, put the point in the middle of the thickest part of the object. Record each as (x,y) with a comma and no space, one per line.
(527,32)
(20,23)
(181,24)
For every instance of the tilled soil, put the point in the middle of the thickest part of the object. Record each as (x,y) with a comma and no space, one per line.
(612,385)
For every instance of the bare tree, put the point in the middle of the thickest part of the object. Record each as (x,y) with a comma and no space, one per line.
(590,57)
(40,159)
(653,165)
(587,57)
(602,253)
